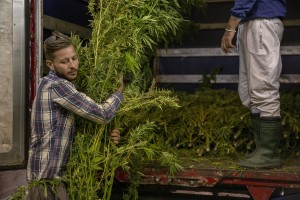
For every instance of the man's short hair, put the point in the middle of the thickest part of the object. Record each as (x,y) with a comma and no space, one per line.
(54,43)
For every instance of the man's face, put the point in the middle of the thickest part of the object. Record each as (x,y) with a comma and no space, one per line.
(65,63)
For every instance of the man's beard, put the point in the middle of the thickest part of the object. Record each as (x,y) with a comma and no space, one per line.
(63,76)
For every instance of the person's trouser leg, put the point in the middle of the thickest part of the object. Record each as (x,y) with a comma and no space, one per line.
(46,192)
(243,87)
(264,64)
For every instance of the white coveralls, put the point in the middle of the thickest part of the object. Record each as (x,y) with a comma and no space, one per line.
(260,65)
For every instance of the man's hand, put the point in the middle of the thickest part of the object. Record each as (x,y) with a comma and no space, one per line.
(226,42)
(115,136)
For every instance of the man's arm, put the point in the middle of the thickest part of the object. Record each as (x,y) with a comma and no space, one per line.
(66,95)
(239,11)
(226,42)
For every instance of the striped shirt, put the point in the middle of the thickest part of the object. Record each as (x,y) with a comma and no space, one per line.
(53,124)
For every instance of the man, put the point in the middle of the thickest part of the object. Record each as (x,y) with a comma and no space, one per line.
(53,114)
(260,31)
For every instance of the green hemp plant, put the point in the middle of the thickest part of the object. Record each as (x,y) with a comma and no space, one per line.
(125,34)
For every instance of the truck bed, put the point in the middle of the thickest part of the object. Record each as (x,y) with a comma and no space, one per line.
(217,176)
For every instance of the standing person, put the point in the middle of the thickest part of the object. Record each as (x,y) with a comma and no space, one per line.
(54,108)
(260,31)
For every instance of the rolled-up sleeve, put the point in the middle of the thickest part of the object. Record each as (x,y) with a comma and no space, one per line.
(242,8)
(65,94)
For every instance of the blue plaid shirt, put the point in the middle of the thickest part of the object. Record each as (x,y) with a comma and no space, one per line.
(53,124)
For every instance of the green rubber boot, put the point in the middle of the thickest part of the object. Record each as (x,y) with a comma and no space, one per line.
(269,137)
(254,118)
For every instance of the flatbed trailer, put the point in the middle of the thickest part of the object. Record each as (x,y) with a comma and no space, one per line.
(209,178)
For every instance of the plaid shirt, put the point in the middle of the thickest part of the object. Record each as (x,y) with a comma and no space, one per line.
(52,124)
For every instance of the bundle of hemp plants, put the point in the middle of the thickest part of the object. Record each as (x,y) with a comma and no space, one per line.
(124,36)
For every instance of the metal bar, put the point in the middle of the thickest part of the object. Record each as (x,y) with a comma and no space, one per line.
(214,193)
(260,182)
(199,52)
(20,50)
(65,27)
(38,42)
(6,77)
(292,176)
(210,177)
(221,78)
(13,68)
(32,51)
(214,26)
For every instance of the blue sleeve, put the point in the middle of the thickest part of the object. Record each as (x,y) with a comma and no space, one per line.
(242,8)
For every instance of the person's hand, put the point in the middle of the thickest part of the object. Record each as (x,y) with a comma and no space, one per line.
(122,86)
(115,136)
(226,42)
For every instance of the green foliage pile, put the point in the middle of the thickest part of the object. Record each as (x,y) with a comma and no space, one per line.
(206,122)
(213,122)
